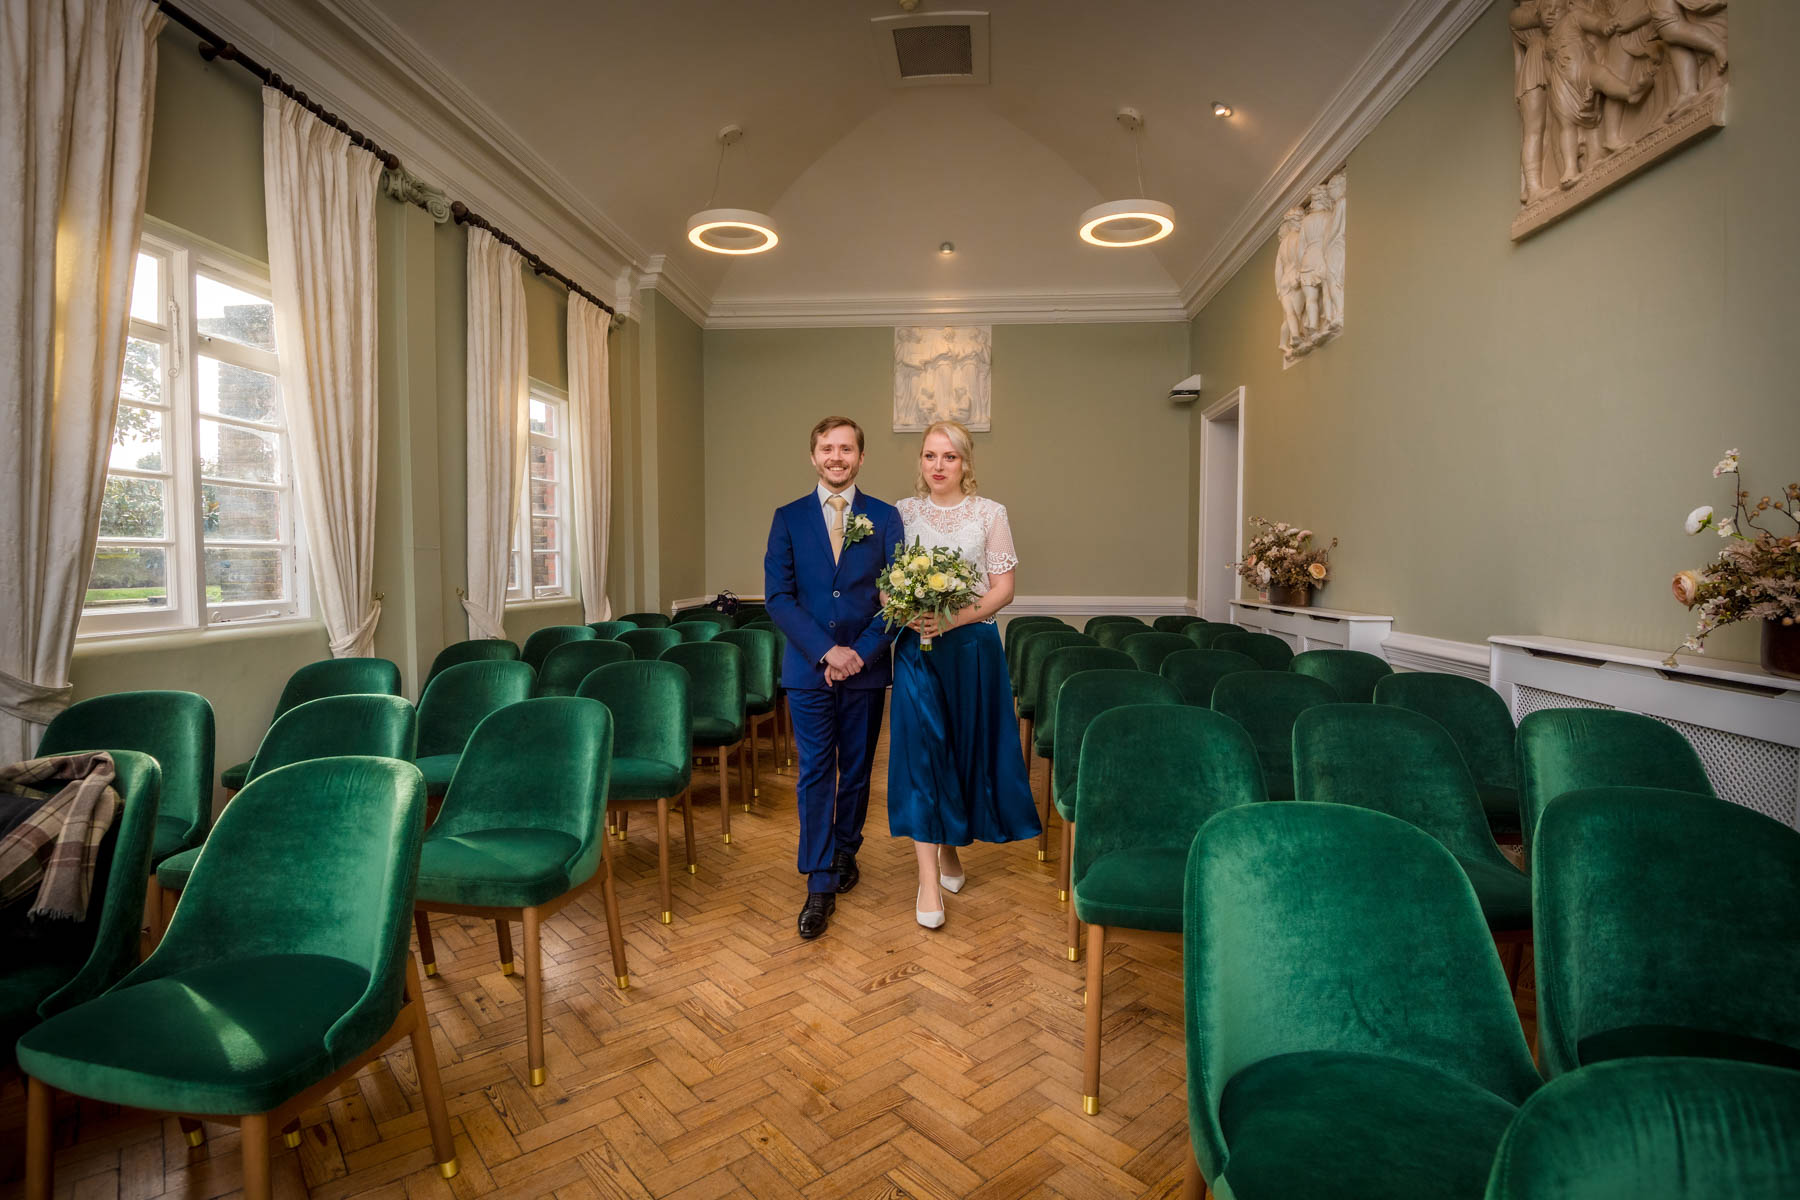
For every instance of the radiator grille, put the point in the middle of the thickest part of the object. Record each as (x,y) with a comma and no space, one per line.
(1529,700)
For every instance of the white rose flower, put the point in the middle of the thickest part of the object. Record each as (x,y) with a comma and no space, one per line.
(1699,518)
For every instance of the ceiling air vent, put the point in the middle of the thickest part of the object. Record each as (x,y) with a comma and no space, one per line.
(929,49)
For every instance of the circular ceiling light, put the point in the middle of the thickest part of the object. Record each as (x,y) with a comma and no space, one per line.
(1135,222)
(732,231)
(1127,223)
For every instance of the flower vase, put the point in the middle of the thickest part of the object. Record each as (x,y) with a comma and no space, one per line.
(1781,648)
(1292,597)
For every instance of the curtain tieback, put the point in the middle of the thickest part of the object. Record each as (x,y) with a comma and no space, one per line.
(35,703)
(350,642)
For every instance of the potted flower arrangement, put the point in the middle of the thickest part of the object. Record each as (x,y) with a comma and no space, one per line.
(1281,562)
(1756,576)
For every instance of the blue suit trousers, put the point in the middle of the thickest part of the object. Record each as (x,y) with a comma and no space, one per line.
(835,731)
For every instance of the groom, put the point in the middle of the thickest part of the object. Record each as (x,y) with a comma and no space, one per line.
(819,583)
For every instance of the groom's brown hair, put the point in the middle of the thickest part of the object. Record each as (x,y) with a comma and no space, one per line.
(827,425)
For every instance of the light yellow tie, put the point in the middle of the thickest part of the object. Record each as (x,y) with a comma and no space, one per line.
(835,526)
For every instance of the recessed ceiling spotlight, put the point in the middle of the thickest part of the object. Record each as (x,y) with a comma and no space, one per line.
(947,249)
(1221,109)
(1134,222)
(730,230)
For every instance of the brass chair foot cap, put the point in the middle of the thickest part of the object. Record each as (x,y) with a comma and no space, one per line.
(448,1170)
(1074,954)
(430,969)
(624,982)
(1043,856)
(506,968)
(291,1140)
(728,839)
(668,918)
(196,1138)
(1062,897)
(746,808)
(693,868)
(537,1077)
(1090,1105)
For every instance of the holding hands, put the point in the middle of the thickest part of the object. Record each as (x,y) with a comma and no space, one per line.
(841,662)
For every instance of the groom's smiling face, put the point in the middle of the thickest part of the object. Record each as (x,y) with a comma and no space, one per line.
(836,458)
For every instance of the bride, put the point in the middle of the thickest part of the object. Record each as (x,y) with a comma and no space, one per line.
(956,774)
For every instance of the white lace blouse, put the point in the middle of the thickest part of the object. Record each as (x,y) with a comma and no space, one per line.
(977,529)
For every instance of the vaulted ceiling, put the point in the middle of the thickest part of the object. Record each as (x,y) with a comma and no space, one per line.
(619,102)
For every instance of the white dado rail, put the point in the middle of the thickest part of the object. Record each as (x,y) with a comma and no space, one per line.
(1030,606)
(1744,722)
(1314,628)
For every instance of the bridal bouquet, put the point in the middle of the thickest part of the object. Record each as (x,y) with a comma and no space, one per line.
(922,580)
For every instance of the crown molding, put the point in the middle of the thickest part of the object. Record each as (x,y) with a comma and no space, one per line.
(666,277)
(999,308)
(1417,39)
(355,61)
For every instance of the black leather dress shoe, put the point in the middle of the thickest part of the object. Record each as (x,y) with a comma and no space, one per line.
(844,863)
(817,914)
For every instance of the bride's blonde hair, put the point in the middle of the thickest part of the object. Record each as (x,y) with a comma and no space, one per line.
(962,443)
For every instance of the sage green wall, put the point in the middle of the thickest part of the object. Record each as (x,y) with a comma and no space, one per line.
(680,476)
(1508,437)
(1086,452)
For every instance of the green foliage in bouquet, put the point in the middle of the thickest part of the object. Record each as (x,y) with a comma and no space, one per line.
(920,580)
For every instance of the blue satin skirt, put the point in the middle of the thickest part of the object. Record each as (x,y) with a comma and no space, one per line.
(956,774)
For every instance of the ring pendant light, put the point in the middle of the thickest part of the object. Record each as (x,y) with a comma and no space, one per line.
(730,230)
(1133,222)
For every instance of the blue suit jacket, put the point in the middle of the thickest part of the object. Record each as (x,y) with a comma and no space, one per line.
(819,604)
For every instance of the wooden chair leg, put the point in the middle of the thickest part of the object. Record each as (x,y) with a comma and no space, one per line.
(1043,803)
(624,822)
(662,856)
(742,748)
(1025,731)
(427,952)
(253,1144)
(1090,1075)
(615,933)
(1193,1187)
(534,999)
(1062,868)
(431,1085)
(40,1131)
(503,934)
(687,828)
(725,793)
(755,782)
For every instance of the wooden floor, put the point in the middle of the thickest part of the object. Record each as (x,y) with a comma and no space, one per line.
(882,1060)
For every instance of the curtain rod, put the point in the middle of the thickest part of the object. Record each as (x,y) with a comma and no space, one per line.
(213,46)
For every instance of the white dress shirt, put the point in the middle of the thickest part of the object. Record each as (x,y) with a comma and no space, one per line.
(825,495)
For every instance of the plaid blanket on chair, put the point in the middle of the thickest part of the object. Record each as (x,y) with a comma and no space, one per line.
(54,849)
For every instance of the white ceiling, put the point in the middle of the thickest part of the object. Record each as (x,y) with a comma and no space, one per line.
(622,100)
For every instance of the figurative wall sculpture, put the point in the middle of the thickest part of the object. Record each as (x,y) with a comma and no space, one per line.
(1309,270)
(1605,88)
(943,373)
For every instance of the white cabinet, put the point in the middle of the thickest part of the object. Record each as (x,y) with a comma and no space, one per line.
(1314,628)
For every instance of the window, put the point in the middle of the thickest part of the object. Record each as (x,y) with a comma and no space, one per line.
(540,546)
(197,519)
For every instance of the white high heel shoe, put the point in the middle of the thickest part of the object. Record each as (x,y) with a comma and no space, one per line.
(930,920)
(952,883)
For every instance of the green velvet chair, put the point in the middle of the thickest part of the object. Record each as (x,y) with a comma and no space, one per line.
(1565,749)
(174,728)
(1112,634)
(539,645)
(474,650)
(698,629)
(703,611)
(329,677)
(1176,622)
(1034,648)
(1668,925)
(283,973)
(53,966)
(1013,642)
(762,667)
(1148,650)
(1204,635)
(1196,672)
(330,727)
(1150,777)
(782,733)
(1269,651)
(1266,704)
(647,620)
(1482,728)
(649,644)
(716,704)
(651,765)
(1352,674)
(567,665)
(1057,668)
(1350,1035)
(1676,1129)
(1084,696)
(521,834)
(454,704)
(1405,764)
(748,614)
(611,629)
(1093,624)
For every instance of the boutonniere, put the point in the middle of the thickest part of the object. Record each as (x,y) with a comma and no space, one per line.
(857,528)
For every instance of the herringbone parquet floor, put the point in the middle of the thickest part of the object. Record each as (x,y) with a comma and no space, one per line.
(882,1060)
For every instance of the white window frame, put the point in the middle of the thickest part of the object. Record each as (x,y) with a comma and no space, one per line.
(520,592)
(182,258)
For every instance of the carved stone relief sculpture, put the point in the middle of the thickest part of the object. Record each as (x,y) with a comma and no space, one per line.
(1605,88)
(943,373)
(1309,269)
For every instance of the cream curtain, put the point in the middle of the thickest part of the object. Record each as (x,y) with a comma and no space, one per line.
(320,194)
(590,424)
(498,436)
(77,84)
